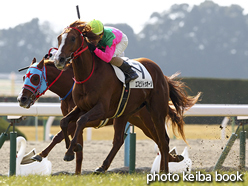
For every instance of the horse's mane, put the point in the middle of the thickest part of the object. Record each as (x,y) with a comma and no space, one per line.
(85,29)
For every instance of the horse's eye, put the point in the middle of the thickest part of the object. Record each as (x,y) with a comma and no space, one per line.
(73,38)
(35,79)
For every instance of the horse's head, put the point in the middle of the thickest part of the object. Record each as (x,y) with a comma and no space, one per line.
(35,84)
(71,43)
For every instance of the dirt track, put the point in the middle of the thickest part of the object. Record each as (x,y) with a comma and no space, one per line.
(203,153)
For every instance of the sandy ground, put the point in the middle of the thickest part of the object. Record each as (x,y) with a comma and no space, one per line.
(203,153)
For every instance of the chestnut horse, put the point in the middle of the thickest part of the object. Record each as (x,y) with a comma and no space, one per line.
(55,82)
(97,91)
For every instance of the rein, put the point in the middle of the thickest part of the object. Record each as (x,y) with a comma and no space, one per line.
(62,99)
(51,50)
(81,49)
(49,86)
(81,82)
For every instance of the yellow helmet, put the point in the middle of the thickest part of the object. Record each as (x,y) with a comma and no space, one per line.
(97,26)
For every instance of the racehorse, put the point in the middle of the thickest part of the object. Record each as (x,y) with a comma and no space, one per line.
(97,91)
(55,82)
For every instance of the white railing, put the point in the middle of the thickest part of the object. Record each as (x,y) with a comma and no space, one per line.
(53,109)
(38,109)
(217,110)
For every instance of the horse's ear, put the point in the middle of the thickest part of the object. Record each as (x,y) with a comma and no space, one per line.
(41,64)
(34,60)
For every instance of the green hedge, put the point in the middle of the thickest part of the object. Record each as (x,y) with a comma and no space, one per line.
(216,91)
(4,125)
(219,91)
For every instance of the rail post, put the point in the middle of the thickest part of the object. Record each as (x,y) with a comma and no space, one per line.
(132,155)
(13,135)
(12,162)
(226,150)
(233,123)
(130,148)
(127,145)
(4,136)
(242,148)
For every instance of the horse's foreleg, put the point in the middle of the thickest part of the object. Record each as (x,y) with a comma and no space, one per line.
(119,129)
(56,139)
(79,156)
(72,116)
(94,114)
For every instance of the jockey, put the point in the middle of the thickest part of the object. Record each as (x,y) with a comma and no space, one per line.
(109,46)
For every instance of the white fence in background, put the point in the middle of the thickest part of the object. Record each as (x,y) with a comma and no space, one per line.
(53,109)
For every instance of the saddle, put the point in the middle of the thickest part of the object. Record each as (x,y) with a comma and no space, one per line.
(143,81)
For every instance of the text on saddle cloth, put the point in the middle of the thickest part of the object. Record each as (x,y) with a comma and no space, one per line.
(143,81)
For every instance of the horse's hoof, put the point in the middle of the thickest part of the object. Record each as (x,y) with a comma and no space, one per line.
(78,148)
(37,158)
(99,170)
(68,157)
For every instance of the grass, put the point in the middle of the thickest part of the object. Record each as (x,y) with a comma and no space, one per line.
(107,133)
(106,180)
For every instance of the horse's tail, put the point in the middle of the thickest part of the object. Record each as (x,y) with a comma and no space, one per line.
(181,102)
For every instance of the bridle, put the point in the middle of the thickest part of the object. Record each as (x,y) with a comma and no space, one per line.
(77,53)
(42,87)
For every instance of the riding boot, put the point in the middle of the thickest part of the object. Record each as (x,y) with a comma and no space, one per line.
(130,74)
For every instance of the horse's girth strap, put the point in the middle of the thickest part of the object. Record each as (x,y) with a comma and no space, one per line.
(102,123)
(121,107)
(123,101)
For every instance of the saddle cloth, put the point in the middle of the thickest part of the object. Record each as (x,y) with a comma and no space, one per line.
(143,81)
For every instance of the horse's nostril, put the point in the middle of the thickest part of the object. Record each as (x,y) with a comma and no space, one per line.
(23,99)
(62,59)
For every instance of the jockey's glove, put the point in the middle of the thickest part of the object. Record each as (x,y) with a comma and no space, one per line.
(91,47)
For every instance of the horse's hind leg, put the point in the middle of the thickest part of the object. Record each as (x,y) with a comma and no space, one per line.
(142,119)
(158,105)
(119,129)
(163,144)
